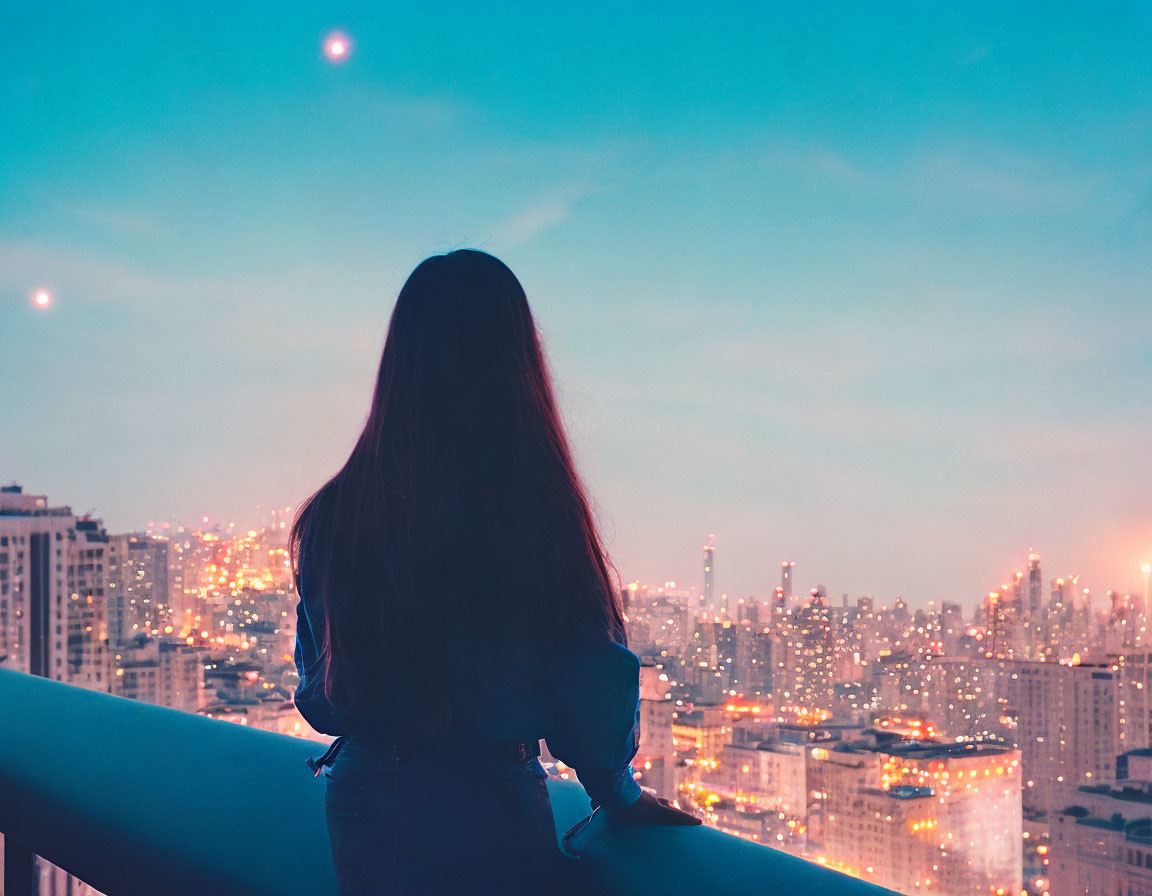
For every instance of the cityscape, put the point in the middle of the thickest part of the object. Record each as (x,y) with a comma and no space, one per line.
(995,746)
(846,310)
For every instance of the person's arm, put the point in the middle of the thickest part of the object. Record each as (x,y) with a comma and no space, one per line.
(597,720)
(597,734)
(309,695)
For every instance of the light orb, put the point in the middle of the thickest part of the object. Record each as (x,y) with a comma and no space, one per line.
(41,298)
(337,46)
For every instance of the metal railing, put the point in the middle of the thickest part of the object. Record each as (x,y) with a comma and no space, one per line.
(139,799)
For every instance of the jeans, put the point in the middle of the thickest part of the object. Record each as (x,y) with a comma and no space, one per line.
(436,825)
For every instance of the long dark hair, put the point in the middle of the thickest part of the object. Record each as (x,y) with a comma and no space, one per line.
(458,531)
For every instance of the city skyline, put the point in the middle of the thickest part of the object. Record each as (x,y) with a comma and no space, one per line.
(866,290)
(798,592)
(961,738)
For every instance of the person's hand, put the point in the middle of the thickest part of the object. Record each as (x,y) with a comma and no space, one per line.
(652,810)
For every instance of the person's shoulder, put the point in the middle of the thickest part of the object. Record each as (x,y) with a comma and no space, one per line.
(618,654)
(602,658)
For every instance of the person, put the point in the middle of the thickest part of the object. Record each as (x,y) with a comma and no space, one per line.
(457,607)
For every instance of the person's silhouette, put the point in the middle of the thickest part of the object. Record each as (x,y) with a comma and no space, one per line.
(456,607)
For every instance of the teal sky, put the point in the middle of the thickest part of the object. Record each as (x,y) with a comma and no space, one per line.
(865,288)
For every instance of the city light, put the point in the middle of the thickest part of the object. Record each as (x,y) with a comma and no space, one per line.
(868,722)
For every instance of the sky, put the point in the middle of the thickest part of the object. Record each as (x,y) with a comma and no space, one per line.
(864,287)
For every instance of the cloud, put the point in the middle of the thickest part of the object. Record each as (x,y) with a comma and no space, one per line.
(539,217)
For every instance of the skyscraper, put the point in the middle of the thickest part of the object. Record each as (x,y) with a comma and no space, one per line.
(52,624)
(34,554)
(1004,625)
(1035,588)
(87,613)
(810,655)
(710,575)
(1074,720)
(139,595)
(786,580)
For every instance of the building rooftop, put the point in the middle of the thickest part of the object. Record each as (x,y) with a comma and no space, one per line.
(934,750)
(1141,794)
(908,792)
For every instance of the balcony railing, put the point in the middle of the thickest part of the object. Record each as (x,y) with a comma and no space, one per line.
(139,799)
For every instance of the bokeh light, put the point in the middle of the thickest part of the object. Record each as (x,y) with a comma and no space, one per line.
(337,47)
(41,298)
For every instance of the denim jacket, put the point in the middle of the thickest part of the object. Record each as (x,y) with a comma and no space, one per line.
(585,705)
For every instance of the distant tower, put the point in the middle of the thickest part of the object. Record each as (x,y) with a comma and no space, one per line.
(710,575)
(1035,586)
(786,580)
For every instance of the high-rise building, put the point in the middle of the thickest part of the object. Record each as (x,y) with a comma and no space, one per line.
(901,681)
(809,655)
(963,698)
(1073,721)
(1006,628)
(921,818)
(1101,839)
(710,575)
(88,658)
(1032,612)
(52,581)
(34,541)
(763,649)
(139,589)
(1058,641)
(665,623)
(655,760)
(1035,587)
(786,581)
(709,659)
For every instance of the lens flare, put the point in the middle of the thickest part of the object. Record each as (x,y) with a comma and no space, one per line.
(41,298)
(337,46)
